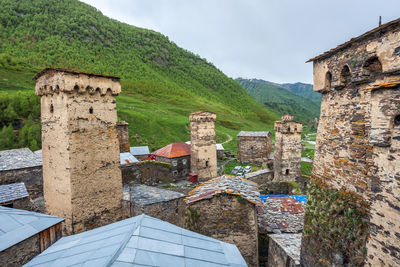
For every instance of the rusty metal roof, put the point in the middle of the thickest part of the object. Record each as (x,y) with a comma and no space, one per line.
(73,72)
(174,150)
(356,39)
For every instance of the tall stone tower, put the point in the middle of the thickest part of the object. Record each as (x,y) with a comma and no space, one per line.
(81,176)
(203,144)
(287,155)
(123,136)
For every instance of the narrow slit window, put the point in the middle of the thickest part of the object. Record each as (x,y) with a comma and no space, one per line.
(397,120)
(287,172)
(91,110)
(51,108)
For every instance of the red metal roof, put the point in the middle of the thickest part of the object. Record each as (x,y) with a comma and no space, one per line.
(174,150)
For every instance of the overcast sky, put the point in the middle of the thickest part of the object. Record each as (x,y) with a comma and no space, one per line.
(265,39)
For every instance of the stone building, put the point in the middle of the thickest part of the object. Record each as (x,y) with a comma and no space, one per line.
(80,150)
(254,147)
(22,166)
(261,177)
(140,152)
(203,144)
(357,152)
(178,155)
(160,203)
(123,136)
(147,172)
(284,250)
(225,208)
(25,234)
(15,196)
(287,154)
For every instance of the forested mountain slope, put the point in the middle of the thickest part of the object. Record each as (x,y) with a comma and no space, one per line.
(161,82)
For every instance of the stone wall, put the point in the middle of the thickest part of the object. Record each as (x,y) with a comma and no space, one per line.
(254,149)
(81,176)
(203,144)
(31,177)
(123,136)
(231,219)
(284,250)
(357,147)
(261,177)
(180,167)
(287,154)
(146,172)
(21,253)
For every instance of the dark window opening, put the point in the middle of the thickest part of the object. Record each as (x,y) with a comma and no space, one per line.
(251,148)
(8,205)
(397,120)
(51,108)
(373,66)
(91,110)
(207,163)
(328,80)
(287,172)
(345,75)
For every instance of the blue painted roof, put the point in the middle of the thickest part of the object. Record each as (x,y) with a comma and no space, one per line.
(139,241)
(301,199)
(139,150)
(18,225)
(127,158)
(10,192)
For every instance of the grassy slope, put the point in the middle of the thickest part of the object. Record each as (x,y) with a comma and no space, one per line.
(304,90)
(161,83)
(281,100)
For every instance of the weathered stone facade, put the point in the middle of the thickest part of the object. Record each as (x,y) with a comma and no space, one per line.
(284,250)
(287,154)
(32,177)
(146,172)
(254,147)
(203,144)
(81,176)
(123,136)
(180,166)
(260,177)
(358,141)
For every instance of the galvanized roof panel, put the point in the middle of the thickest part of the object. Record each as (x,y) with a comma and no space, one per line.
(139,150)
(127,158)
(143,241)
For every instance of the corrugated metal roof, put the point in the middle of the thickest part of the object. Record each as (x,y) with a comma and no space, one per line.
(139,150)
(139,241)
(144,195)
(248,133)
(174,150)
(10,192)
(127,158)
(18,159)
(18,225)
(219,147)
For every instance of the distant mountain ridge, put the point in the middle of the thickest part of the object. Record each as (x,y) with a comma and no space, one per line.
(297,98)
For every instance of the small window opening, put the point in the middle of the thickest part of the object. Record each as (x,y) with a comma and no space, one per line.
(287,172)
(373,66)
(328,80)
(207,163)
(51,108)
(397,120)
(251,147)
(91,110)
(345,75)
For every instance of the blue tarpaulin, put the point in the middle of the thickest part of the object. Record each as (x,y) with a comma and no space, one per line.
(301,199)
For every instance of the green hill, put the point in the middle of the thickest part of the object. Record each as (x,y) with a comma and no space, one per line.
(280,100)
(161,82)
(304,90)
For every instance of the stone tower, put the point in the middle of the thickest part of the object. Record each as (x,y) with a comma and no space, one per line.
(81,176)
(357,156)
(123,136)
(287,155)
(203,144)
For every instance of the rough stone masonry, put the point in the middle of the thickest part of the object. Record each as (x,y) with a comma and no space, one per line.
(81,177)
(358,141)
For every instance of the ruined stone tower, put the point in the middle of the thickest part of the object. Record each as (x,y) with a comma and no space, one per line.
(81,176)
(203,144)
(287,155)
(253,147)
(123,136)
(356,175)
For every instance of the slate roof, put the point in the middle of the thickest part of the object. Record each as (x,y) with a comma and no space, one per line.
(226,184)
(139,150)
(127,158)
(144,195)
(247,133)
(18,159)
(139,241)
(174,150)
(291,244)
(18,225)
(11,192)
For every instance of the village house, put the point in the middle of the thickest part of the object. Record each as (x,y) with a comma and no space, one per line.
(15,196)
(146,172)
(140,241)
(225,208)
(220,151)
(356,163)
(254,147)
(22,166)
(178,155)
(160,203)
(140,152)
(25,234)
